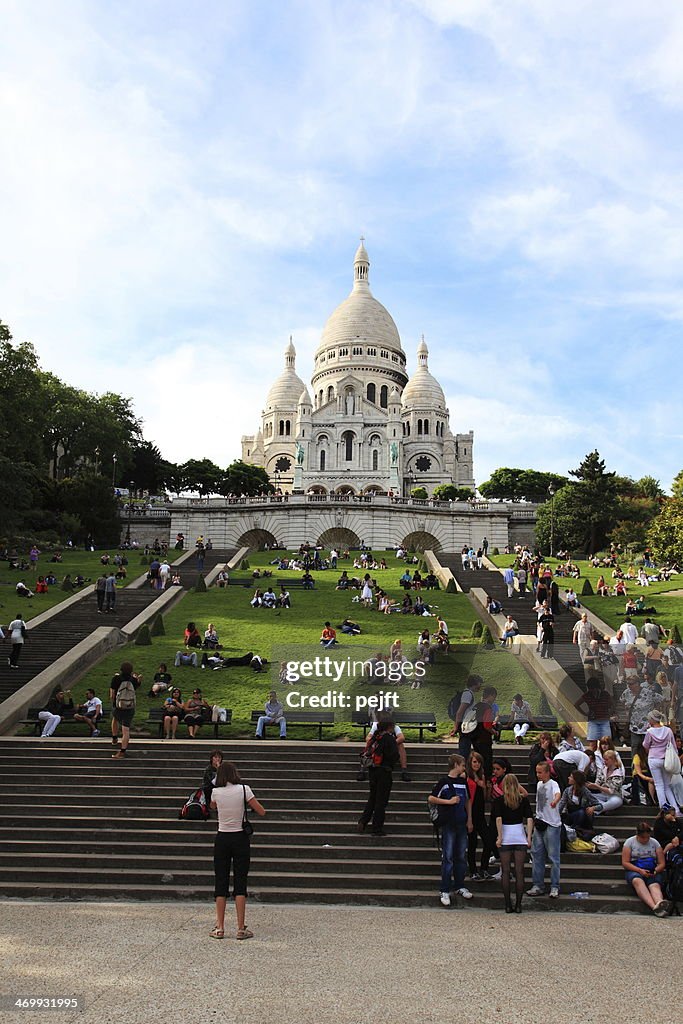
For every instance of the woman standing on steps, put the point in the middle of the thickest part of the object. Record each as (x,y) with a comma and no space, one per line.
(231,798)
(515,826)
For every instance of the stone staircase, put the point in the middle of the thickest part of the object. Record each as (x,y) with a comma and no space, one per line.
(53,638)
(76,825)
(521,608)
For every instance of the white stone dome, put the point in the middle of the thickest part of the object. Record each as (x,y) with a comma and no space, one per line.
(423,390)
(286,390)
(360,317)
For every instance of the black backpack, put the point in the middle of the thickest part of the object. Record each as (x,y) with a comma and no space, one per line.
(673,885)
(195,808)
(384,750)
(454,703)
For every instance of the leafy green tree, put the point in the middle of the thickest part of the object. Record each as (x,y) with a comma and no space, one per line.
(677,485)
(648,487)
(665,535)
(202,475)
(521,485)
(148,468)
(242,478)
(419,492)
(90,498)
(583,512)
(449,492)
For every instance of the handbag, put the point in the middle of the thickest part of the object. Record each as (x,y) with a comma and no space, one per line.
(605,843)
(672,762)
(247,826)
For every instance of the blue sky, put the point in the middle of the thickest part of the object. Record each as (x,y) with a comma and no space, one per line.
(183,185)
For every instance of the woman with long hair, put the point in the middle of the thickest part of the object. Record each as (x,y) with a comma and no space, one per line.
(478,788)
(514,826)
(230,798)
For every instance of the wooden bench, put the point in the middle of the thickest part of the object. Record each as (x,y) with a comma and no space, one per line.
(236,583)
(297,584)
(422,721)
(323,719)
(545,723)
(68,716)
(156,717)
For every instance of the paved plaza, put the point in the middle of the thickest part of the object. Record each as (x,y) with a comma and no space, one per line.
(312,965)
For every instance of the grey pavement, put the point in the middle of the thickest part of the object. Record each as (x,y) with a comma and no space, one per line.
(155,962)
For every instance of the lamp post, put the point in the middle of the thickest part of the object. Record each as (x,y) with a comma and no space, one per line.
(113,472)
(130,510)
(277,481)
(411,481)
(551,492)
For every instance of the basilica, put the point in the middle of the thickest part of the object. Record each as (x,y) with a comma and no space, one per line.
(366,426)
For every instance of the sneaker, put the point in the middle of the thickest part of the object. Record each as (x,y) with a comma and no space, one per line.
(554,893)
(535,890)
(445,899)
(497,877)
(115,741)
(465,893)
(96,732)
(476,877)
(405,777)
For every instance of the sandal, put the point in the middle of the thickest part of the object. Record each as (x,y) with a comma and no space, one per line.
(244,933)
(217,933)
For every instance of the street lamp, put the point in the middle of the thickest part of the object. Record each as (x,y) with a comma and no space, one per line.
(411,481)
(130,510)
(113,472)
(551,492)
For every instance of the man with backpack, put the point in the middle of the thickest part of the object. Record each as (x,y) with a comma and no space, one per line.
(460,709)
(122,694)
(451,796)
(381,754)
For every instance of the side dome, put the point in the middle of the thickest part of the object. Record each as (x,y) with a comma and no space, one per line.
(423,390)
(360,317)
(286,390)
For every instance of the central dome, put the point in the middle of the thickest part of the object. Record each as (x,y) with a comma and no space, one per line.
(360,317)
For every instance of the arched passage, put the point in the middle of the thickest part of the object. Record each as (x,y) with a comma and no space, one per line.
(339,537)
(420,540)
(257,539)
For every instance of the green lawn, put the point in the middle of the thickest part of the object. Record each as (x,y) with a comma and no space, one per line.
(87,563)
(294,633)
(612,609)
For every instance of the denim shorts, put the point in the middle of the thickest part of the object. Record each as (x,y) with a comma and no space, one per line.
(653,880)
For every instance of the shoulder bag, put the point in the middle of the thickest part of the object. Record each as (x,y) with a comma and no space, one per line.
(247,826)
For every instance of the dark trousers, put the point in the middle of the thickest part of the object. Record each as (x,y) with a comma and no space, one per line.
(110,596)
(100,599)
(381,780)
(481,829)
(231,849)
(14,654)
(484,747)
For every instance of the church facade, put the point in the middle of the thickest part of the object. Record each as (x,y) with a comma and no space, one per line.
(366,426)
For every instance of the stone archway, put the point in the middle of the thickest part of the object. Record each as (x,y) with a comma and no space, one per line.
(257,539)
(339,537)
(420,540)
(374,489)
(344,489)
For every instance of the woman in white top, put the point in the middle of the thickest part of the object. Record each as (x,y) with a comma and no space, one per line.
(231,798)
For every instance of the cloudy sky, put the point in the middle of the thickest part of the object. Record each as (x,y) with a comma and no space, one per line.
(182,185)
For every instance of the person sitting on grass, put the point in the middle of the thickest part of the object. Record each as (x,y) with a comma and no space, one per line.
(347,626)
(211,638)
(192,637)
(328,637)
(284,600)
(162,680)
(90,712)
(642,859)
(22,590)
(269,598)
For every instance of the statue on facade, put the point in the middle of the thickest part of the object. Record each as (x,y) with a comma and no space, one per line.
(299,449)
(394,453)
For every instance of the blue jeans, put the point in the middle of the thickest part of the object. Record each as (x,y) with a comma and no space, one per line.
(264,720)
(453,856)
(546,845)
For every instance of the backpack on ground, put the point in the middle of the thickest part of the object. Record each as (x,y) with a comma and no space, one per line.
(125,696)
(195,809)
(673,884)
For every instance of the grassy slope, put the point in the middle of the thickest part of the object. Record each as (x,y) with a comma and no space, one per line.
(87,563)
(297,630)
(611,609)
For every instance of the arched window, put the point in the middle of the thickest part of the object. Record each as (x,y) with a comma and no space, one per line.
(320,397)
(419,426)
(282,427)
(408,429)
(323,457)
(384,396)
(372,393)
(330,394)
(425,427)
(288,427)
(347,438)
(375,460)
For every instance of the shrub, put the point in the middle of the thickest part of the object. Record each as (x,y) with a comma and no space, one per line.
(158,628)
(486,637)
(477,628)
(496,551)
(144,560)
(451,587)
(67,584)
(587,588)
(244,565)
(200,586)
(143,637)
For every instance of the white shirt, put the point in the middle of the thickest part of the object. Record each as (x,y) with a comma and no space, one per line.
(630,632)
(94,704)
(229,800)
(397,730)
(16,631)
(545,793)
(575,757)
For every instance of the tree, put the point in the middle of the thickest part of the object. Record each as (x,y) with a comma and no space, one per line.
(449,492)
(90,498)
(648,487)
(148,468)
(202,475)
(582,513)
(242,478)
(420,493)
(521,485)
(22,409)
(677,485)
(665,535)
